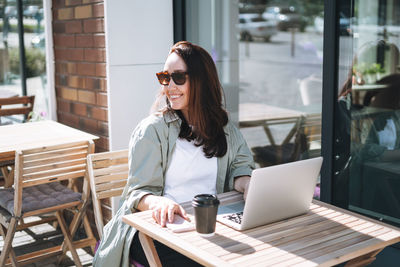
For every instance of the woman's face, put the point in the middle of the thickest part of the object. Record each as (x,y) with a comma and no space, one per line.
(178,95)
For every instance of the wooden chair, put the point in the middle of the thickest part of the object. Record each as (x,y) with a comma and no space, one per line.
(8,108)
(108,173)
(40,187)
(8,105)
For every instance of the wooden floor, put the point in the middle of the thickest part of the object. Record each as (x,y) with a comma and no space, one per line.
(42,236)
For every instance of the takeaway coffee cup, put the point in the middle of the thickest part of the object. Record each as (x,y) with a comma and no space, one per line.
(205,213)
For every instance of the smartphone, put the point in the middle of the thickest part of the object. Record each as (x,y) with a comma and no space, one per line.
(180,225)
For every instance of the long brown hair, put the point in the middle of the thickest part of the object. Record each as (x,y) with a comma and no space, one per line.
(207,115)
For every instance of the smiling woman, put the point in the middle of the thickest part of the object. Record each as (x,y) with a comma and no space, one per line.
(186,147)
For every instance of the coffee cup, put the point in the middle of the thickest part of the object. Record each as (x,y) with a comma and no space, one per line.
(205,208)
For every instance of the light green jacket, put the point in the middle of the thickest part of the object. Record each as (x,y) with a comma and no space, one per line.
(151,146)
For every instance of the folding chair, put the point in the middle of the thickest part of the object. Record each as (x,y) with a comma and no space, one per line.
(108,173)
(40,175)
(19,105)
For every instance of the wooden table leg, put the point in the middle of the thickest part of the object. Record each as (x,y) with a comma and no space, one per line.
(8,176)
(363,260)
(149,250)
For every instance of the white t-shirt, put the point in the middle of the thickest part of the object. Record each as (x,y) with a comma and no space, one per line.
(387,137)
(190,172)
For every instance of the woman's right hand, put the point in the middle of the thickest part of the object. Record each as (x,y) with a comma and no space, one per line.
(163,209)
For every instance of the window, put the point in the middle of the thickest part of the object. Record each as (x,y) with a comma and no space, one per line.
(367,123)
(32,81)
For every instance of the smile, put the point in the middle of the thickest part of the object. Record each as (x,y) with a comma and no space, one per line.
(174,96)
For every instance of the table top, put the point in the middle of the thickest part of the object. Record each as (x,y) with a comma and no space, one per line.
(257,113)
(325,236)
(35,134)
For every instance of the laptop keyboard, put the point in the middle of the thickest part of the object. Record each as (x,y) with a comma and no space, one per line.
(235,217)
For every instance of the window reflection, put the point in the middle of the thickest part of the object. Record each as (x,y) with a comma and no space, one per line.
(368,122)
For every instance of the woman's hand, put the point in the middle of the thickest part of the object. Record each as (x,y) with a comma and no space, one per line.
(164,209)
(241,184)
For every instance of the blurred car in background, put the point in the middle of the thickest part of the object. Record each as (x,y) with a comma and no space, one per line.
(255,26)
(285,17)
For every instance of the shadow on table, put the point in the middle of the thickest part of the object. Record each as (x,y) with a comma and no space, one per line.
(232,245)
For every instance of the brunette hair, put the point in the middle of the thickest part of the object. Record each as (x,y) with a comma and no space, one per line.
(207,115)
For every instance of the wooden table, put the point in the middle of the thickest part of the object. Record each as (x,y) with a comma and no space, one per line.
(34,134)
(257,114)
(325,236)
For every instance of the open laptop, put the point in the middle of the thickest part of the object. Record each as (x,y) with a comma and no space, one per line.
(275,193)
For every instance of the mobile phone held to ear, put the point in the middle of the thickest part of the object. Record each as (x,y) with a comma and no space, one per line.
(180,225)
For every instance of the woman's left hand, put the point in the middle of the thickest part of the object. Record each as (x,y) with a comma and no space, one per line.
(241,184)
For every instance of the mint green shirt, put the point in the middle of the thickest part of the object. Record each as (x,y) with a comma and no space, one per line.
(151,147)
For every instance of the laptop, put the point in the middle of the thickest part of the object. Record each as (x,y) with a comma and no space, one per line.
(275,193)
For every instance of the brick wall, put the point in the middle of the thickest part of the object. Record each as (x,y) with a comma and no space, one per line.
(80,68)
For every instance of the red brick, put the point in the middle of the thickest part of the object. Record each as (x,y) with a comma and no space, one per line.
(86,69)
(64,40)
(78,109)
(101,69)
(83,12)
(91,1)
(69,54)
(59,27)
(96,83)
(102,143)
(97,113)
(74,26)
(102,128)
(98,10)
(95,55)
(65,13)
(63,106)
(76,82)
(58,3)
(61,68)
(61,80)
(101,99)
(93,25)
(70,94)
(68,119)
(72,2)
(84,41)
(87,97)
(71,67)
(88,125)
(99,40)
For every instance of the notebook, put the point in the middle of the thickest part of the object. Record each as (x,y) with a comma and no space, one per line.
(275,193)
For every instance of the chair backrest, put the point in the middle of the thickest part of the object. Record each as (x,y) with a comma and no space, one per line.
(8,108)
(310,90)
(311,129)
(108,173)
(50,164)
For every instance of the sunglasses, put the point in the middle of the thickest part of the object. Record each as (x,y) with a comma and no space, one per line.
(164,77)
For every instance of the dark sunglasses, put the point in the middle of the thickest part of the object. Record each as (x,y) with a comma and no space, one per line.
(164,77)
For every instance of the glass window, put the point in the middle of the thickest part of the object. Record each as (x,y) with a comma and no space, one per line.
(280,80)
(367,152)
(11,80)
(269,57)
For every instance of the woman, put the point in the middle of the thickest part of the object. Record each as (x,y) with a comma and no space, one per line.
(186,148)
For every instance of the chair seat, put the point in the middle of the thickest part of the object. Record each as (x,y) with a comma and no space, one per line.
(39,197)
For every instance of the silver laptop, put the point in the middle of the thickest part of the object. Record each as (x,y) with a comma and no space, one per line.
(275,193)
